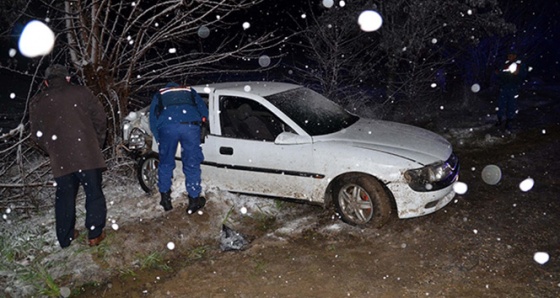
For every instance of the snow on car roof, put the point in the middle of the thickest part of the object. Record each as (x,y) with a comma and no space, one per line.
(255,87)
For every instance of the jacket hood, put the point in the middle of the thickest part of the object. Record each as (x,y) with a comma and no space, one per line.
(172,84)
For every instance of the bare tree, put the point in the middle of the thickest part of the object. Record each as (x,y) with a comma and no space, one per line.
(407,55)
(337,51)
(122,50)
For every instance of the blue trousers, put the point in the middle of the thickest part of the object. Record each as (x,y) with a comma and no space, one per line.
(507,103)
(65,205)
(188,135)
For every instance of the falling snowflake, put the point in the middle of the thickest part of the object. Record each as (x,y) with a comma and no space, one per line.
(264,61)
(460,187)
(526,184)
(36,39)
(475,88)
(370,20)
(203,32)
(328,3)
(541,257)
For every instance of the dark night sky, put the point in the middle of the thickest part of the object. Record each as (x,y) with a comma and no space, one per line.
(540,16)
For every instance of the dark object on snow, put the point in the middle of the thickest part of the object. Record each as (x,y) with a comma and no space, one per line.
(195,204)
(166,200)
(232,240)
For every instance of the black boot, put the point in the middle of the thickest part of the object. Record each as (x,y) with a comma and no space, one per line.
(195,204)
(166,200)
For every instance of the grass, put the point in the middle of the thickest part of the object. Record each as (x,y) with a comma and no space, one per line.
(197,252)
(38,276)
(154,260)
(260,266)
(127,272)
(22,260)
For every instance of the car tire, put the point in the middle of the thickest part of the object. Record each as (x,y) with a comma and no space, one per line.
(361,200)
(147,172)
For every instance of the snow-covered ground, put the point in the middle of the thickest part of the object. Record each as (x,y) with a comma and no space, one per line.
(32,257)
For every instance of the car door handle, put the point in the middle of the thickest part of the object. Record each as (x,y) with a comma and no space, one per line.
(226,150)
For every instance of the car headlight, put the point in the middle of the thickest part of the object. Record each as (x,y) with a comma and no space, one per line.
(137,138)
(434,176)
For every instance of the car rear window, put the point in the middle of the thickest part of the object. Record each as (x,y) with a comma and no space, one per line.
(313,112)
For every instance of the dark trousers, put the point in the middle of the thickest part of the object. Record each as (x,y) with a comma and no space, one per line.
(188,135)
(507,103)
(65,205)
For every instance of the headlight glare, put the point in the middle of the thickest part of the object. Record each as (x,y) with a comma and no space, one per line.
(434,176)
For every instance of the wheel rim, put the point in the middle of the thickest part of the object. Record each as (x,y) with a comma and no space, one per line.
(355,204)
(150,172)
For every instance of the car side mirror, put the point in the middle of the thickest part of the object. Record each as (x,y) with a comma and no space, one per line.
(290,138)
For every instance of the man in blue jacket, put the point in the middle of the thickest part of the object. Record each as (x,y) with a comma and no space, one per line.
(176,116)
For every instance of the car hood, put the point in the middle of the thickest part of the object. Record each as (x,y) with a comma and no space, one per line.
(410,142)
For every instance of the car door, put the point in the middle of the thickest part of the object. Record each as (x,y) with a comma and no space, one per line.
(241,155)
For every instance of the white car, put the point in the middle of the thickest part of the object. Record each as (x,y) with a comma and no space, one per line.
(284,140)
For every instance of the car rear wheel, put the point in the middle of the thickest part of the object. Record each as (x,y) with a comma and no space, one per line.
(361,200)
(147,172)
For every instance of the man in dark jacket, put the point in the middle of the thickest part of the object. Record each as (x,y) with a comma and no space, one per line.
(510,78)
(176,116)
(69,124)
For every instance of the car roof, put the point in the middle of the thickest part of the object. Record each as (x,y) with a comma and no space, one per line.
(260,88)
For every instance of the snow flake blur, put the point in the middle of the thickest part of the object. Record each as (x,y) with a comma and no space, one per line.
(527,184)
(36,39)
(460,188)
(264,61)
(203,32)
(370,20)
(475,88)
(541,257)
(491,174)
(328,3)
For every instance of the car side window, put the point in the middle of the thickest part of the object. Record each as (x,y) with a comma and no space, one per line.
(243,118)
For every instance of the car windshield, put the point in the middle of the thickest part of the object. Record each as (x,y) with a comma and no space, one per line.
(313,112)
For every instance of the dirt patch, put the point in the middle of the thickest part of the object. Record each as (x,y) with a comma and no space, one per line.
(481,245)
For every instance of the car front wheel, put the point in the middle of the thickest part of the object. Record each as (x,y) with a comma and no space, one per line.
(147,172)
(361,200)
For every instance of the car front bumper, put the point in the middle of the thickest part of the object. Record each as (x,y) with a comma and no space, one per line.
(413,204)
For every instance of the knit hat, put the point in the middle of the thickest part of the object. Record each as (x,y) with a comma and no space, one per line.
(56,71)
